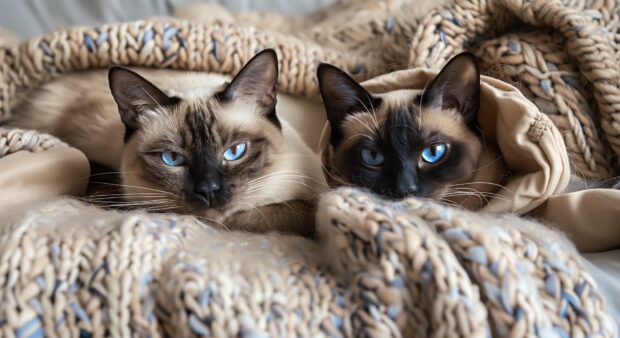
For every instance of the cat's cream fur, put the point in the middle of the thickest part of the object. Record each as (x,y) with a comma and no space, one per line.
(79,109)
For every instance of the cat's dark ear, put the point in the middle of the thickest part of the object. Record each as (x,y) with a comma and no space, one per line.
(457,87)
(134,94)
(258,80)
(342,96)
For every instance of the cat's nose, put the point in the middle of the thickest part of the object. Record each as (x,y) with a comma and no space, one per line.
(411,190)
(208,189)
(405,191)
(213,186)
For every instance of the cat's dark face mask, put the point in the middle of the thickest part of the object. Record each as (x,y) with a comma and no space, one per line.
(402,143)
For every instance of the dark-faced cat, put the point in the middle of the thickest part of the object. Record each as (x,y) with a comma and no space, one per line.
(189,142)
(410,142)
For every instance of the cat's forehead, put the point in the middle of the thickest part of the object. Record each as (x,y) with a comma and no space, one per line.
(400,104)
(204,122)
(402,110)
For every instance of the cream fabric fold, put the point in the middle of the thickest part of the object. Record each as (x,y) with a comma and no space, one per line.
(27,177)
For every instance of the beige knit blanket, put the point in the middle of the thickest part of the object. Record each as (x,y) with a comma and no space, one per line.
(411,268)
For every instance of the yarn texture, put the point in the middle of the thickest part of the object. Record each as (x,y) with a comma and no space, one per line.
(412,268)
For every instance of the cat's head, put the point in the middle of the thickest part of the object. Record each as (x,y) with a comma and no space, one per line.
(405,142)
(199,153)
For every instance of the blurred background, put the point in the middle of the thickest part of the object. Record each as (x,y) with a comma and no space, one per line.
(28,18)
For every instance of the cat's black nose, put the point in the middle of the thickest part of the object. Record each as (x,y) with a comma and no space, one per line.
(207,190)
(411,190)
(403,191)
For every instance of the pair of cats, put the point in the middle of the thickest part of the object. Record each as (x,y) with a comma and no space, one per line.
(215,147)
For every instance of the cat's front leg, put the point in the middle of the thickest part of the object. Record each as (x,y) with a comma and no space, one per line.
(292,217)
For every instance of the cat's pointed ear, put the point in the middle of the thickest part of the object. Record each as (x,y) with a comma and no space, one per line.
(342,96)
(457,87)
(134,94)
(257,80)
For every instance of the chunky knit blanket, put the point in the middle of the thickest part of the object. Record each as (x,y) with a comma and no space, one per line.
(411,268)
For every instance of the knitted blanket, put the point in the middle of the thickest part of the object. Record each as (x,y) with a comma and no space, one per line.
(378,269)
(406,269)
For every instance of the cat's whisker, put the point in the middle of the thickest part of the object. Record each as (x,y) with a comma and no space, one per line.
(373,114)
(278,176)
(421,108)
(257,209)
(304,178)
(375,121)
(472,193)
(278,172)
(490,163)
(356,135)
(470,196)
(460,194)
(221,224)
(146,200)
(147,92)
(133,186)
(272,197)
(282,175)
(167,208)
(122,196)
(491,194)
(486,196)
(113,173)
(449,203)
(357,118)
(272,178)
(139,203)
(332,175)
(481,183)
(128,194)
(274,183)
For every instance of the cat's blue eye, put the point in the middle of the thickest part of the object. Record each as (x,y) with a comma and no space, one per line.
(235,152)
(434,153)
(372,157)
(172,159)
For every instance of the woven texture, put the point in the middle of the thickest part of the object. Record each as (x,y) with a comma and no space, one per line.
(407,269)
(402,270)
(13,140)
(173,44)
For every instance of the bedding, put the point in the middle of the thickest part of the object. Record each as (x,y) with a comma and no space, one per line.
(379,268)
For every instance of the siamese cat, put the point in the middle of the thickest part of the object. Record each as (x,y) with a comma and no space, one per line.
(188,142)
(411,142)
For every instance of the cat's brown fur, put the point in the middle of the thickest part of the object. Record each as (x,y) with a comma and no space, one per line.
(467,176)
(271,188)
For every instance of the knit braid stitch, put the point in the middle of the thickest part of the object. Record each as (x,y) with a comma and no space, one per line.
(397,270)
(529,286)
(13,140)
(173,44)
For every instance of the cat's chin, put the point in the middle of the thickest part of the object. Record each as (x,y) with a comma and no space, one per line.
(208,214)
(212,215)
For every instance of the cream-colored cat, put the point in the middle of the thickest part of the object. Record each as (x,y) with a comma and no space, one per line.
(189,142)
